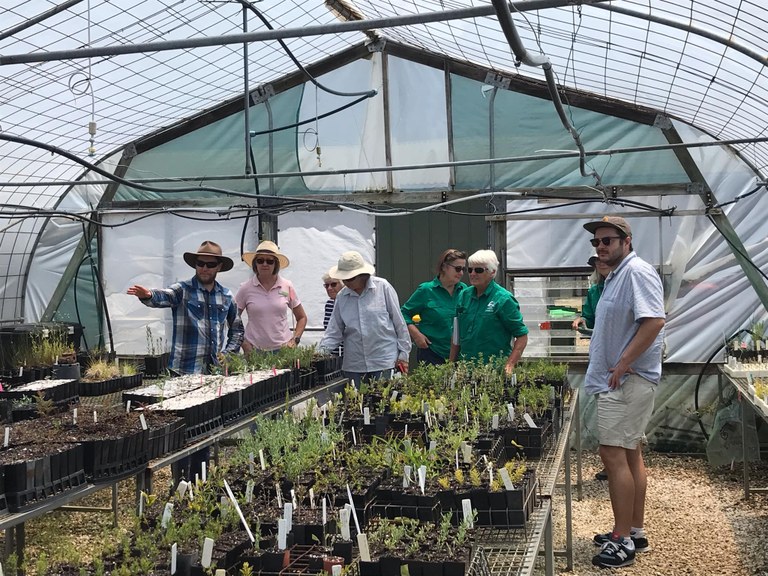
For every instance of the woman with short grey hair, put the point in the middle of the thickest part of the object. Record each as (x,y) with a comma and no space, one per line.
(488,316)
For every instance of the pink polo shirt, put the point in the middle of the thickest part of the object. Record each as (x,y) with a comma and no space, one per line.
(267,327)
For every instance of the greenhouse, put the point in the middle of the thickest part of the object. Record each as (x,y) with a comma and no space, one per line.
(133,133)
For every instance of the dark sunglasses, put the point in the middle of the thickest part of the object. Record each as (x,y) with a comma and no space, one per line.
(606,240)
(457,268)
(201,264)
(476,270)
(331,285)
(269,261)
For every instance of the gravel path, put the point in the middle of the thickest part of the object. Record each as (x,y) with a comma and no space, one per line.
(697,521)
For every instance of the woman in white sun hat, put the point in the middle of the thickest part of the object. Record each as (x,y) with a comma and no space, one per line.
(366,319)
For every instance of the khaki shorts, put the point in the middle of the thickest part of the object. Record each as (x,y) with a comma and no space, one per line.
(623,414)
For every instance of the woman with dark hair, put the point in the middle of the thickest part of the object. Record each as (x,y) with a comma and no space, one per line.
(430,310)
(266,298)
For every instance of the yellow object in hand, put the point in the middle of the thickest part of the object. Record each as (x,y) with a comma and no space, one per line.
(416,318)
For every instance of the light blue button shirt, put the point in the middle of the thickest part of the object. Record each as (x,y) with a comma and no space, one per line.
(633,291)
(370,326)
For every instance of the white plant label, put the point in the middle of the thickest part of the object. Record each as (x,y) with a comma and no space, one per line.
(262,460)
(432,445)
(325,513)
(249,486)
(511,412)
(282,532)
(466,508)
(312,498)
(174,554)
(352,509)
(204,470)
(354,436)
(239,510)
(205,559)
(495,422)
(394,396)
(167,511)
(361,405)
(335,570)
(7,437)
(181,489)
(367,416)
(144,426)
(422,477)
(141,504)
(288,515)
(407,442)
(466,415)
(279,496)
(362,544)
(293,498)
(466,452)
(220,572)
(406,476)
(128,406)
(504,475)
(74,417)
(457,459)
(189,491)
(344,519)
(529,420)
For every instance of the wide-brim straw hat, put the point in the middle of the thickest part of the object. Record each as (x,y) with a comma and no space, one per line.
(208,248)
(267,248)
(350,264)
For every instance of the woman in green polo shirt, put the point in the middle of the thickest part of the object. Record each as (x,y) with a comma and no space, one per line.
(430,310)
(488,315)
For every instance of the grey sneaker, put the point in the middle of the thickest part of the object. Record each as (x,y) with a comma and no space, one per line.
(641,543)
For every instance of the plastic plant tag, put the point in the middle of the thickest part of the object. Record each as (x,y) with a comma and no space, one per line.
(325,513)
(529,420)
(181,489)
(167,511)
(367,416)
(293,498)
(204,470)
(6,437)
(144,426)
(405,435)
(282,533)
(189,491)
(279,494)
(344,519)
(250,463)
(457,459)
(249,486)
(407,442)
(361,405)
(466,451)
(432,445)
(95,417)
(74,416)
(394,396)
(511,412)
(312,498)
(466,509)
(466,415)
(239,511)
(205,559)
(504,475)
(262,460)
(288,515)
(490,473)
(141,504)
(128,406)
(362,545)
(335,570)
(495,422)
(354,436)
(220,572)
(174,554)
(422,477)
(406,476)
(352,507)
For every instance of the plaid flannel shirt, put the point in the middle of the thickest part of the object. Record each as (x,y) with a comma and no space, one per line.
(204,324)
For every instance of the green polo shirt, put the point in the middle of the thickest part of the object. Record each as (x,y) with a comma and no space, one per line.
(487,324)
(437,308)
(590,304)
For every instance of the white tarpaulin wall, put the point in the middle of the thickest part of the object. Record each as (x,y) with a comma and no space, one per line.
(149,252)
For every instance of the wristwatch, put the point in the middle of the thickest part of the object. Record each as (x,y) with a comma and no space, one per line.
(297,340)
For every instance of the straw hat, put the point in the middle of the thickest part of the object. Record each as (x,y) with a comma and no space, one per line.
(350,264)
(266,248)
(208,248)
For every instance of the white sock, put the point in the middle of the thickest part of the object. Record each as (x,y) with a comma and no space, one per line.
(637,532)
(628,543)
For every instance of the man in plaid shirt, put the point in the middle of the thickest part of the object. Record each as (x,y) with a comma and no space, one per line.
(205,325)
(205,319)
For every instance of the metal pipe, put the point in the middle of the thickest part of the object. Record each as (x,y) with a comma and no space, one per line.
(335,28)
(246,98)
(37,19)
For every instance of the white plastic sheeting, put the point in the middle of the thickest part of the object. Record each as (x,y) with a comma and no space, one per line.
(149,253)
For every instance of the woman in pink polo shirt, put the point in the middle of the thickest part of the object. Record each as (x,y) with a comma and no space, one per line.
(267,298)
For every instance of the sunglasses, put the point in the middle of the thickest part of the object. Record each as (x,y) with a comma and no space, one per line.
(606,240)
(331,285)
(457,268)
(269,261)
(476,270)
(201,264)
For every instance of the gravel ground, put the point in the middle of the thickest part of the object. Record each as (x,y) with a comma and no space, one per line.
(697,520)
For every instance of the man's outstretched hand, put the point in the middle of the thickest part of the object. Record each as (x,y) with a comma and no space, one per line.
(140,292)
